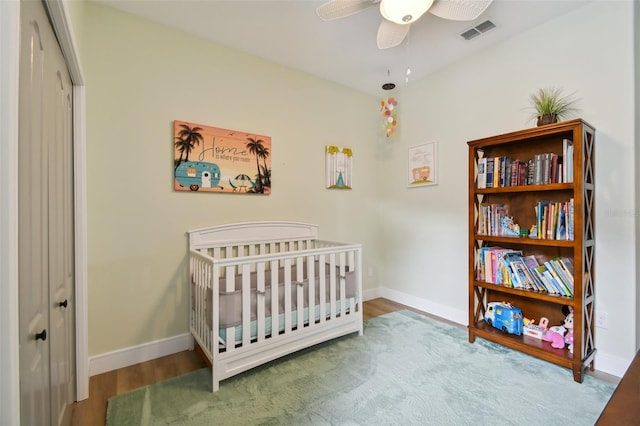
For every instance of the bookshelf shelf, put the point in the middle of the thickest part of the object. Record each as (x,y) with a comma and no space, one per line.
(540,178)
(524,241)
(526,188)
(498,288)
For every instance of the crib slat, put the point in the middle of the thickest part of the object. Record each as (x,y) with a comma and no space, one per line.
(332,284)
(351,263)
(260,300)
(300,292)
(322,282)
(214,342)
(275,309)
(343,283)
(203,285)
(287,295)
(311,279)
(246,304)
(230,279)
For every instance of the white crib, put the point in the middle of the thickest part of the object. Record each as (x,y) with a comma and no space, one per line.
(262,290)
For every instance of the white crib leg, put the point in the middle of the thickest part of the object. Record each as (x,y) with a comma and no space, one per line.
(215,382)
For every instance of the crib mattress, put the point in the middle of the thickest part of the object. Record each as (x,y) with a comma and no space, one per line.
(238,330)
(231,301)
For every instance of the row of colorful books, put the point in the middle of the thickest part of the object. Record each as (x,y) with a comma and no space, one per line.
(490,217)
(554,220)
(511,268)
(544,168)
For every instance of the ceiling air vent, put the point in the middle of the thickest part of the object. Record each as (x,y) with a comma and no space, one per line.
(482,27)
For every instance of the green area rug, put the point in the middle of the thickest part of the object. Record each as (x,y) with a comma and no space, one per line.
(406,370)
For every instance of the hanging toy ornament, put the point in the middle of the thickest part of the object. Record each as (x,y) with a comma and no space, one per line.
(389,116)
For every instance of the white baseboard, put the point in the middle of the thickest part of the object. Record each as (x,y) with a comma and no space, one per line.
(455,315)
(605,363)
(611,364)
(129,356)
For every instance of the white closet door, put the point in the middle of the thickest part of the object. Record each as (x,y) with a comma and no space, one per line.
(59,139)
(45,231)
(33,227)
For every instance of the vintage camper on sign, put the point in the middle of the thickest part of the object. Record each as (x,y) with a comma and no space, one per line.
(211,159)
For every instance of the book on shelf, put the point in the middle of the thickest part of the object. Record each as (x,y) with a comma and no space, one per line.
(511,275)
(523,274)
(567,263)
(545,277)
(489,173)
(531,263)
(554,168)
(482,173)
(522,173)
(570,217)
(567,154)
(561,231)
(546,168)
(530,172)
(557,280)
(565,266)
(561,275)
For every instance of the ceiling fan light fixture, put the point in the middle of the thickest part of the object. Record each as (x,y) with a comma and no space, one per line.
(404,11)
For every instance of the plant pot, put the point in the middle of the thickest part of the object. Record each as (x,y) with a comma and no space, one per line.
(547,119)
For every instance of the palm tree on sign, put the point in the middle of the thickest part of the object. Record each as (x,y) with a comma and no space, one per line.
(187,139)
(266,173)
(255,146)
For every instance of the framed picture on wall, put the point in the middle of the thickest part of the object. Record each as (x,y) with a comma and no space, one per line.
(422,165)
(213,159)
(339,164)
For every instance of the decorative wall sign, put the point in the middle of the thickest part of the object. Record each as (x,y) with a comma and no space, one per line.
(422,165)
(338,163)
(211,159)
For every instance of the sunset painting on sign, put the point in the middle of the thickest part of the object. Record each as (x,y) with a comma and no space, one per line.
(211,159)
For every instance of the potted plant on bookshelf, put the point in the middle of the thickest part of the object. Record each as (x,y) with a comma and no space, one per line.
(550,105)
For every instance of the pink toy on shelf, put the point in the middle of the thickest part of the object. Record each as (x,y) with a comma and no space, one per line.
(562,335)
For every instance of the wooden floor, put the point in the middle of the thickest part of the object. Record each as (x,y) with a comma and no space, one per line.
(92,412)
(624,406)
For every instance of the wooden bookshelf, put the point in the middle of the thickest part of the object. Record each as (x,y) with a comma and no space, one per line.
(521,199)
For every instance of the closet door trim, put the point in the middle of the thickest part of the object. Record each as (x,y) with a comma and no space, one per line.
(61,25)
(9,105)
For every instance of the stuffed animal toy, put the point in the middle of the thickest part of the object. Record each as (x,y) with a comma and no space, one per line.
(555,335)
(568,324)
(561,335)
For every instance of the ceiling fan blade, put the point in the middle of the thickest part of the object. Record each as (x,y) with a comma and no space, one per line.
(335,9)
(391,34)
(459,10)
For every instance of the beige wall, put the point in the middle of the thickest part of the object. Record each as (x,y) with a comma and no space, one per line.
(140,77)
(589,51)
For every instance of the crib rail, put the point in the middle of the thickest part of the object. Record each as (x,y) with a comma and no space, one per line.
(282,288)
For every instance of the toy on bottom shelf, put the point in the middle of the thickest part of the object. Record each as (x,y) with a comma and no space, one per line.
(504,317)
(535,330)
(561,335)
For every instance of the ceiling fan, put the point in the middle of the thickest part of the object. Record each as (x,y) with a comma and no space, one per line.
(398,15)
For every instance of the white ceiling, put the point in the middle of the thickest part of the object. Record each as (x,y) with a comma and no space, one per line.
(344,51)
